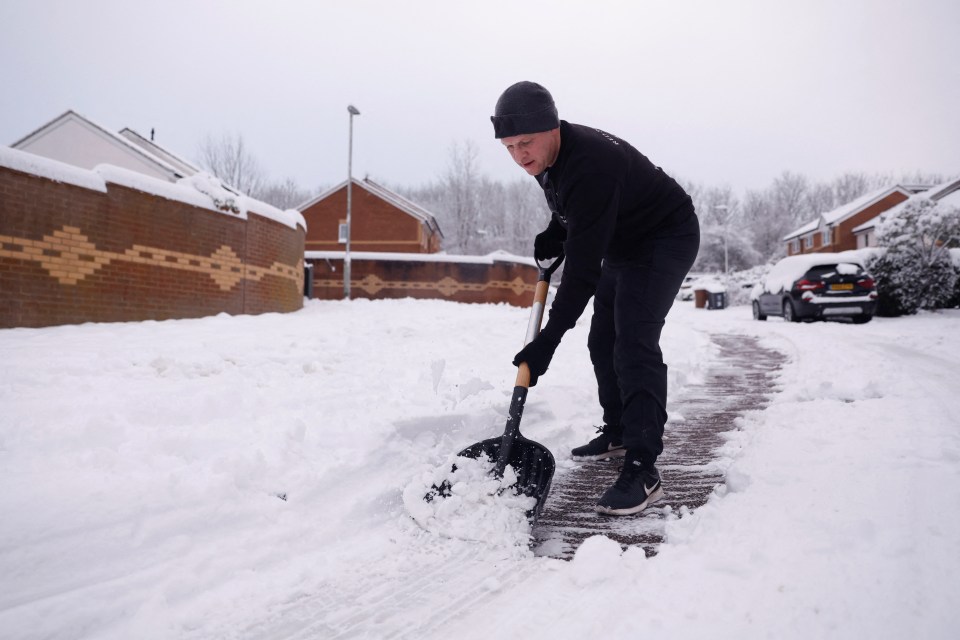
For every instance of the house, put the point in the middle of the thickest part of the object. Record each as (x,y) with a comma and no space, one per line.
(380,221)
(834,230)
(78,141)
(948,192)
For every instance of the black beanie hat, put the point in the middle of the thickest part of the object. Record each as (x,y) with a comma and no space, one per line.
(525,107)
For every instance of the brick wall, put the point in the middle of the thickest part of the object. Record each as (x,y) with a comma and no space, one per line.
(375,224)
(845,238)
(468,281)
(70,254)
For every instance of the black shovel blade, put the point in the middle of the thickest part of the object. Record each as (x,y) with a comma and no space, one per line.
(532,462)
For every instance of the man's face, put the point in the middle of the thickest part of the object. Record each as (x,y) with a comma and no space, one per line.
(535,152)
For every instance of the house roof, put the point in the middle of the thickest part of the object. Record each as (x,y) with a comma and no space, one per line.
(164,161)
(165,154)
(853,207)
(407,206)
(947,192)
(810,227)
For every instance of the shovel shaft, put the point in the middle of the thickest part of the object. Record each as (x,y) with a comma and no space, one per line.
(534,324)
(512,430)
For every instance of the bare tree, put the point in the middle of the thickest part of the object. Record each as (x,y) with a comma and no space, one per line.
(283,195)
(774,212)
(850,186)
(462,190)
(227,158)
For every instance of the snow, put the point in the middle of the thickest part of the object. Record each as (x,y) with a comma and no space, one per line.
(783,274)
(50,169)
(245,477)
(845,210)
(179,191)
(490,258)
(200,190)
(478,507)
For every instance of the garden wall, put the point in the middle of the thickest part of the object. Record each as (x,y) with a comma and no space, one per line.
(494,278)
(111,245)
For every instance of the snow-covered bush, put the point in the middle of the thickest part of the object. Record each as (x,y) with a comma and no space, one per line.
(741,283)
(916,272)
(954,301)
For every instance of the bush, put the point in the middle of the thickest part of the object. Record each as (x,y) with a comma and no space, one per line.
(917,271)
(890,303)
(906,284)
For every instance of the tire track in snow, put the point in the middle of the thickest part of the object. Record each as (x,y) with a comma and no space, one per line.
(398,597)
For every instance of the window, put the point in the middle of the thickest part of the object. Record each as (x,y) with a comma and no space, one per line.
(342,233)
(826,236)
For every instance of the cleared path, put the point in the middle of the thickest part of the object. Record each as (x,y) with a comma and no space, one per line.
(742,379)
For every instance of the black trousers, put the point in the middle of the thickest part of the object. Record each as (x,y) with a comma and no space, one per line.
(630,305)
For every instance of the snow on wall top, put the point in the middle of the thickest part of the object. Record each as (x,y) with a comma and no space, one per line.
(490,258)
(200,190)
(51,169)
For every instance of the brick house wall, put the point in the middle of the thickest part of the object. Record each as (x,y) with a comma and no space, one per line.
(844,238)
(840,236)
(376,225)
(70,254)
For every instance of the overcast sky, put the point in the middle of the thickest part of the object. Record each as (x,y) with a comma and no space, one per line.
(718,92)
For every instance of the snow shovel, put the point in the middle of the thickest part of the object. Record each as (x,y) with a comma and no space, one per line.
(532,462)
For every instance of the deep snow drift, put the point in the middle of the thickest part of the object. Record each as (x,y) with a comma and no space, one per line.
(244,477)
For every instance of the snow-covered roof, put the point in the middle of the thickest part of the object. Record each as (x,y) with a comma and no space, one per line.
(855,206)
(152,147)
(947,192)
(200,190)
(407,206)
(810,227)
(141,153)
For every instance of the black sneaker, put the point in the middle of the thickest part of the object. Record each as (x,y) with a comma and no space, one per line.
(607,445)
(636,489)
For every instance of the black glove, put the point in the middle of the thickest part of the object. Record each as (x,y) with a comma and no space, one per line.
(537,355)
(547,245)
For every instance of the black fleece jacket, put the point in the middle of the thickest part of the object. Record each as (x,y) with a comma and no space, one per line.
(606,198)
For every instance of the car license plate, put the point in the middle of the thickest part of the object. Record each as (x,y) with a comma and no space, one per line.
(847,286)
(841,311)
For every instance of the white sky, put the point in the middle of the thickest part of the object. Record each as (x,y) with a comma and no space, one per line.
(730,92)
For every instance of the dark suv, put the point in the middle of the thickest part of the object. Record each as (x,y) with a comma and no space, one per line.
(816,287)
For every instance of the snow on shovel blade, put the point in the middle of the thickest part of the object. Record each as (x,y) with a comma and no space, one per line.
(533,463)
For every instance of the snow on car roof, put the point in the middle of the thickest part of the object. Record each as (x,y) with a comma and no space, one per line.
(790,269)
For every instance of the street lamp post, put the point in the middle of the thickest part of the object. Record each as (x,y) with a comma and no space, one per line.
(726,259)
(353,111)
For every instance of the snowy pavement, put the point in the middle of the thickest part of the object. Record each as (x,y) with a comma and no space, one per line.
(142,467)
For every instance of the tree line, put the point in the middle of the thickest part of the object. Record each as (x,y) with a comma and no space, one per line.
(478,215)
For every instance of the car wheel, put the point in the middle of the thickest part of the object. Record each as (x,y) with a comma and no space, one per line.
(862,318)
(788,313)
(757,315)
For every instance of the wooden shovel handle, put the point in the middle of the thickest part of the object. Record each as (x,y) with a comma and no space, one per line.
(536,316)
